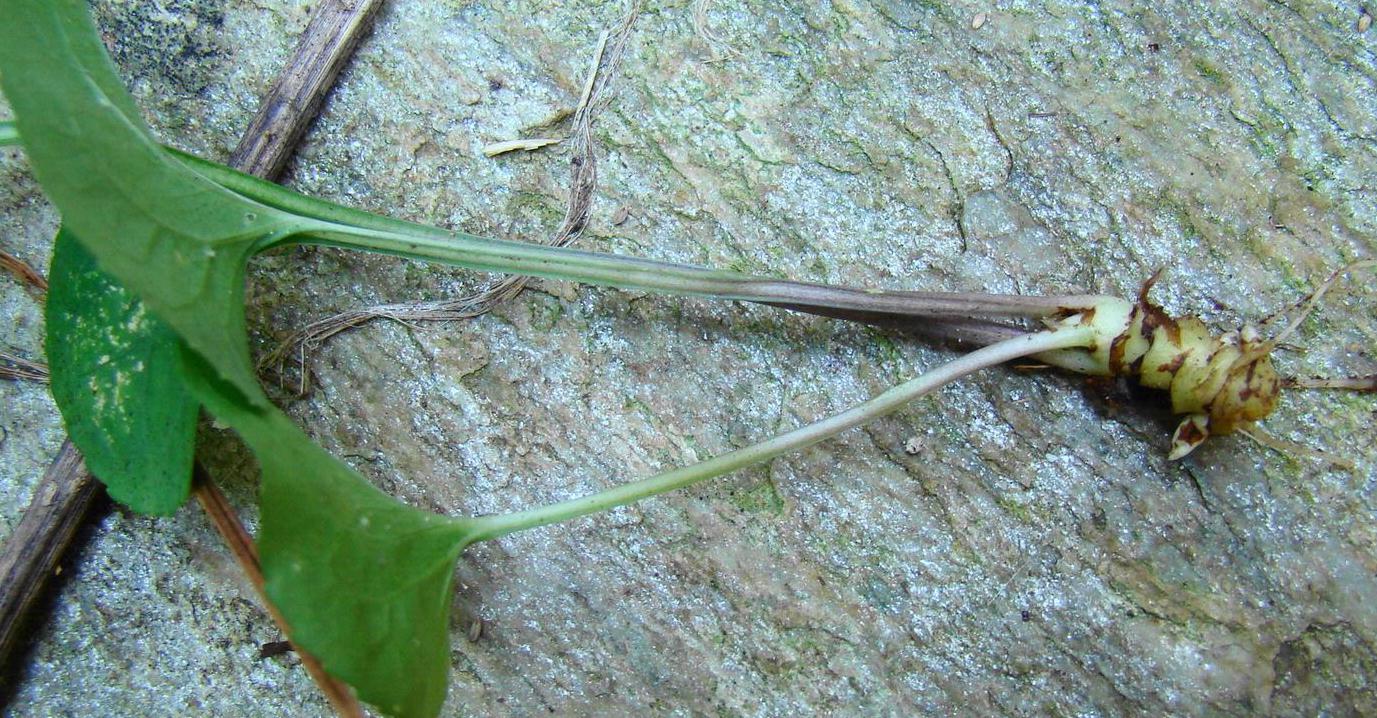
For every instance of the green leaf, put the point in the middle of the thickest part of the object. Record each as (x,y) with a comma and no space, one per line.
(365,581)
(115,379)
(176,239)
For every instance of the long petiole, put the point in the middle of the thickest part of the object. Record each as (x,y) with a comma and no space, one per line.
(1066,337)
(613,270)
(354,229)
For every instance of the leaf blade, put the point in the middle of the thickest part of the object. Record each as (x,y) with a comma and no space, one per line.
(173,238)
(365,581)
(114,377)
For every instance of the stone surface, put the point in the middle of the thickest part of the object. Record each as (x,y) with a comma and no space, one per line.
(1017,544)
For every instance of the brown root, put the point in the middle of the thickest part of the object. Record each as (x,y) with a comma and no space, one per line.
(1283,446)
(1312,302)
(1348,383)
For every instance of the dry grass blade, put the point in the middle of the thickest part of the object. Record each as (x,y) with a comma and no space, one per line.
(17,368)
(526,145)
(583,182)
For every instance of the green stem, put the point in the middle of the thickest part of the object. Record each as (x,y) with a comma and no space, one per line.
(354,229)
(611,270)
(493,526)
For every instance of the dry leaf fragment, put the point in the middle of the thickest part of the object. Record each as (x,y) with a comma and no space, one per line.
(1364,22)
(622,214)
(979,20)
(534,143)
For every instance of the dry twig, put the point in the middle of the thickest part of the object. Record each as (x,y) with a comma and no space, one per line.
(23,272)
(291,104)
(60,504)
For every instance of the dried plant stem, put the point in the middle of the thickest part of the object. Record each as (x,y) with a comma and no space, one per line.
(1066,337)
(291,104)
(32,552)
(23,272)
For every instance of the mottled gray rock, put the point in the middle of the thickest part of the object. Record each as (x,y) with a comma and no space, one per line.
(1037,554)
